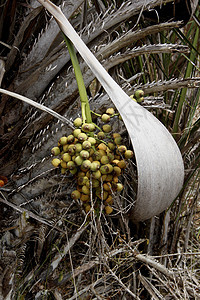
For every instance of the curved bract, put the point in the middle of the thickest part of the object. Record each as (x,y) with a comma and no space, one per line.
(159,162)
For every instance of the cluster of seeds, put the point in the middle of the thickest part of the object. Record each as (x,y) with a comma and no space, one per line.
(96,157)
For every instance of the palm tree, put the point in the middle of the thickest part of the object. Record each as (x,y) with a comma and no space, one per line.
(45,246)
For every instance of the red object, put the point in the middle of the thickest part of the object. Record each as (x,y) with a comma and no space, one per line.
(3,180)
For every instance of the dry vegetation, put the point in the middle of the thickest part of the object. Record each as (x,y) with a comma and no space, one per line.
(49,247)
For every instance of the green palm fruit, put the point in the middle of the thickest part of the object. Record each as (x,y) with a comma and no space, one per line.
(139,94)
(82,137)
(111,157)
(65,148)
(76,132)
(55,151)
(96,174)
(78,160)
(63,164)
(119,187)
(85,190)
(63,140)
(104,160)
(70,138)
(78,147)
(75,195)
(85,198)
(88,127)
(111,146)
(71,150)
(96,155)
(95,183)
(66,157)
(82,180)
(55,162)
(108,209)
(105,118)
(121,164)
(102,152)
(118,140)
(86,164)
(71,165)
(128,154)
(100,135)
(122,149)
(78,122)
(84,154)
(95,165)
(106,128)
(106,169)
(116,170)
(110,111)
(86,145)
(92,140)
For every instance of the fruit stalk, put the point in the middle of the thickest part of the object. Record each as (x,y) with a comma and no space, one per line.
(85,107)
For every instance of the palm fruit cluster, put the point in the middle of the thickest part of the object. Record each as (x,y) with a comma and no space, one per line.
(96,157)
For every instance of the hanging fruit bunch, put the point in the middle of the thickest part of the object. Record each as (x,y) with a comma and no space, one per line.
(93,154)
(96,157)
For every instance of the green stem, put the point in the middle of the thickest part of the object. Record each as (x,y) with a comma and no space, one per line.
(85,107)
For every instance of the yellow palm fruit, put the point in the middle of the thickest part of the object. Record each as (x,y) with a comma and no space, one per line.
(128,154)
(71,165)
(66,157)
(122,148)
(55,162)
(111,146)
(92,140)
(109,177)
(75,195)
(104,177)
(74,171)
(84,154)
(101,135)
(109,200)
(139,94)
(63,171)
(118,140)
(86,164)
(85,198)
(76,132)
(63,164)
(108,209)
(115,179)
(101,194)
(116,170)
(82,137)
(55,151)
(85,190)
(86,145)
(121,164)
(107,186)
(96,155)
(102,152)
(71,149)
(95,165)
(77,122)
(87,208)
(107,128)
(65,148)
(110,157)
(78,160)
(102,146)
(119,187)
(81,174)
(110,111)
(105,118)
(63,140)
(106,169)
(70,138)
(104,160)
(96,174)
